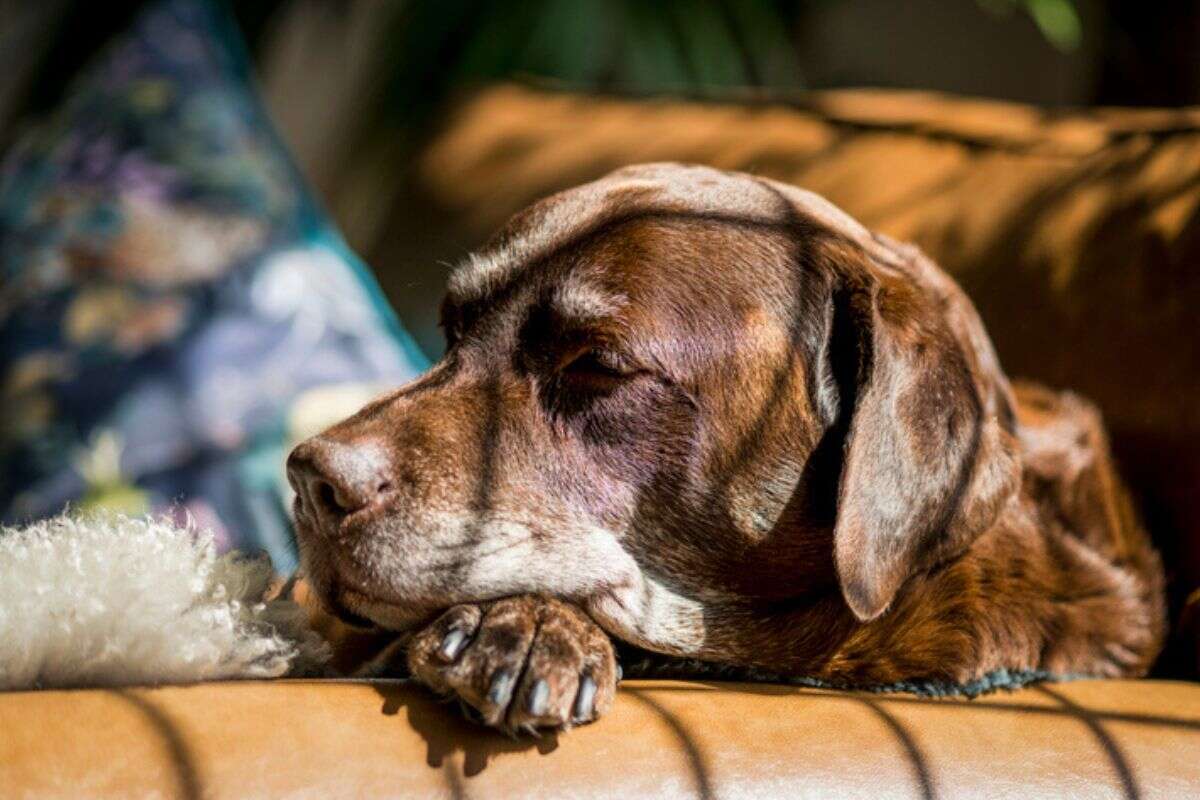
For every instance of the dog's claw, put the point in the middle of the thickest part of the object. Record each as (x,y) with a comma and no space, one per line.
(452,645)
(585,700)
(539,698)
(500,688)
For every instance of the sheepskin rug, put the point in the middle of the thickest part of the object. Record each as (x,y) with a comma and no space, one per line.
(113,600)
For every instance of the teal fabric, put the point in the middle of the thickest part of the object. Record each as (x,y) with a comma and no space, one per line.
(173,293)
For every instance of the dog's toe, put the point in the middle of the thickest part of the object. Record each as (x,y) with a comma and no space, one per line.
(476,655)
(569,660)
(522,663)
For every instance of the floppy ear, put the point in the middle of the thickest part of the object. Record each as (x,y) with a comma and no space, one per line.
(930,459)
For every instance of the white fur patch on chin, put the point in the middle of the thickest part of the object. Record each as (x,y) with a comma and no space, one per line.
(588,563)
(579,561)
(113,601)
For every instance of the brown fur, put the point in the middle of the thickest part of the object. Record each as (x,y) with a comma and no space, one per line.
(758,435)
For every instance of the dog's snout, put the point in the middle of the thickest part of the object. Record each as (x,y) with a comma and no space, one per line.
(334,479)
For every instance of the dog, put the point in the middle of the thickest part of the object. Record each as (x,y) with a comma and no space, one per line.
(714,417)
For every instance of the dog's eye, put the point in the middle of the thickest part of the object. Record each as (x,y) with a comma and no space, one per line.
(596,367)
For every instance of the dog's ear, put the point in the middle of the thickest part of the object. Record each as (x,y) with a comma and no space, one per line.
(929,457)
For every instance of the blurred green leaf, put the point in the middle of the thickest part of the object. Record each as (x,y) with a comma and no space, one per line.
(1058,22)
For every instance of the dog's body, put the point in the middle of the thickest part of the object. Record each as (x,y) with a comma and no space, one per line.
(718,418)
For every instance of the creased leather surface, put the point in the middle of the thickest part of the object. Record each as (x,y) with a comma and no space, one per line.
(663,739)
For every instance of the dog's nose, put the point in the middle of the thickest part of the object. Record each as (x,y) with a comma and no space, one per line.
(333,479)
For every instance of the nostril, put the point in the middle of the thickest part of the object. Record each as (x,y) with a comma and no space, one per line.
(334,480)
(328,498)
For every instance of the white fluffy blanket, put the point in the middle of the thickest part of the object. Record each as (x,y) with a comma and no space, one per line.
(109,601)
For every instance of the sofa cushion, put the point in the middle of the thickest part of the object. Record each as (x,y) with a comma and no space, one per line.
(662,739)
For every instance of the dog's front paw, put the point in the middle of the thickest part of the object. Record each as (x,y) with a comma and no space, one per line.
(521,663)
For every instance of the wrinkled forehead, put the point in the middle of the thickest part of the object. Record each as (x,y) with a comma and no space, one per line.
(573,218)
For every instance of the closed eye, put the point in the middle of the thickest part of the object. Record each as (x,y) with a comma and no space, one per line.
(597,369)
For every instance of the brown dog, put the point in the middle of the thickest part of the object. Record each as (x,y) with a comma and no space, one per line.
(713,416)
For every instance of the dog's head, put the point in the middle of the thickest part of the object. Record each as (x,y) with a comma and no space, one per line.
(666,393)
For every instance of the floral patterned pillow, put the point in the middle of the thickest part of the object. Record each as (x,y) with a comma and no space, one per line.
(174,307)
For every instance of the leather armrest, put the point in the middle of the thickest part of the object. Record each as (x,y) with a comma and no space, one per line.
(663,738)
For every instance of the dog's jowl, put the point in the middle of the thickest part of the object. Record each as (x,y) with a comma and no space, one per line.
(712,416)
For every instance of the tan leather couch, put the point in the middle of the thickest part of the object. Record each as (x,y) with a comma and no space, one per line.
(1079,237)
(663,739)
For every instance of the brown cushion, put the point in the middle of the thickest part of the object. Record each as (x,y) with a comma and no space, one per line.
(1077,234)
(668,739)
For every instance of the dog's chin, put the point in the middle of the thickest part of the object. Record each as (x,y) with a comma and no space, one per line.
(361,611)
(364,611)
(338,608)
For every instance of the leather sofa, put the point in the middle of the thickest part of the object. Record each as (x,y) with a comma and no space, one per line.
(1078,235)
(327,739)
